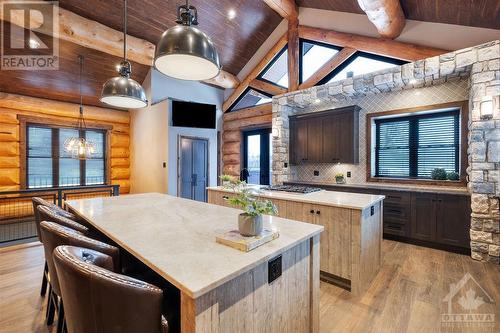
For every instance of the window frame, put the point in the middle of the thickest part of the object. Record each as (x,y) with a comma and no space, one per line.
(301,56)
(243,94)
(56,123)
(270,64)
(338,69)
(409,112)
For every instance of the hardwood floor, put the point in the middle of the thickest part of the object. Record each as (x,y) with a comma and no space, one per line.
(406,296)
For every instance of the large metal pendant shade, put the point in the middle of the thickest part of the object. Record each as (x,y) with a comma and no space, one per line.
(122,91)
(184,51)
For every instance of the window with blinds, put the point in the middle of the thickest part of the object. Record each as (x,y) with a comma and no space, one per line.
(413,146)
(48,165)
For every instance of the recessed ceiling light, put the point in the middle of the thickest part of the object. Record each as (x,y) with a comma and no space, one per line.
(317,101)
(34,44)
(231,14)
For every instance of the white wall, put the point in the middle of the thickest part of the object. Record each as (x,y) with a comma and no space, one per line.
(154,141)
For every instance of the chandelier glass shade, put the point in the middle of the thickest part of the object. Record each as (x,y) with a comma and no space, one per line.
(184,51)
(79,147)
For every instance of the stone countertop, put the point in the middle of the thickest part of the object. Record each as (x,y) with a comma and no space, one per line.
(391,187)
(328,198)
(176,237)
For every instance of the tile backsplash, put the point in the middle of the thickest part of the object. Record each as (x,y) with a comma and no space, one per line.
(447,92)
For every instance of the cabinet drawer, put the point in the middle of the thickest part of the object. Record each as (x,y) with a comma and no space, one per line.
(396,213)
(396,197)
(394,229)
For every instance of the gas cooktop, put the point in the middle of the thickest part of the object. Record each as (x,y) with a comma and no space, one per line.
(292,188)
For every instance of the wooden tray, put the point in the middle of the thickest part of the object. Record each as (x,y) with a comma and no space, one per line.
(235,240)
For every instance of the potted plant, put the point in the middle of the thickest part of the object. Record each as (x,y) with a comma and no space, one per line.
(438,174)
(227,180)
(339,178)
(453,176)
(250,221)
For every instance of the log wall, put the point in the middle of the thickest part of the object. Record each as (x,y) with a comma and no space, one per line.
(232,138)
(12,106)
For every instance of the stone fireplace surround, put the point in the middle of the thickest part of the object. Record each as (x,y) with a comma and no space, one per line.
(476,69)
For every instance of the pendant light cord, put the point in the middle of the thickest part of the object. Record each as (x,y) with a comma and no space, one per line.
(125,31)
(81,121)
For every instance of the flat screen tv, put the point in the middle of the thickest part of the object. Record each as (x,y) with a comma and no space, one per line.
(187,114)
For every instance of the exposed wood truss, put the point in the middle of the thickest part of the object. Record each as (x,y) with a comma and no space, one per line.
(272,89)
(293,54)
(94,35)
(286,8)
(379,46)
(386,15)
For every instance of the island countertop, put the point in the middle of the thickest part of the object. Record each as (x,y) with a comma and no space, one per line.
(176,237)
(328,198)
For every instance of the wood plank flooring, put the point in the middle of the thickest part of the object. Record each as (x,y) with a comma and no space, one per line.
(406,296)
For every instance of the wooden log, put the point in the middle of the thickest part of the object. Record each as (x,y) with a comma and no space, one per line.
(124,185)
(327,68)
(232,169)
(255,72)
(380,46)
(9,188)
(293,54)
(94,35)
(8,116)
(120,152)
(231,159)
(120,140)
(267,87)
(231,148)
(9,149)
(9,161)
(231,136)
(119,162)
(64,109)
(255,111)
(286,8)
(120,173)
(121,128)
(9,132)
(386,15)
(9,177)
(249,122)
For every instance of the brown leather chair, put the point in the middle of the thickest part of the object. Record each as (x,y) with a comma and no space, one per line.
(53,235)
(98,300)
(54,213)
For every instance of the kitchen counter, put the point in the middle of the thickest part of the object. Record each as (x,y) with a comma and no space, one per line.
(328,198)
(389,187)
(176,238)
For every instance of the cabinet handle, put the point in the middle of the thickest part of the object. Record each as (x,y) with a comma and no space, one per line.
(311,211)
(225,197)
(318,212)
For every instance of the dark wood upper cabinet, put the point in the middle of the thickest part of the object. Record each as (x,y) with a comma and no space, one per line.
(325,137)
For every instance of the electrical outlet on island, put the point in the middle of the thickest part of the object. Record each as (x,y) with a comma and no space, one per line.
(316,172)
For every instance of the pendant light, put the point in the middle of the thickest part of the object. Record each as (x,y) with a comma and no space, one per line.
(79,147)
(122,91)
(185,52)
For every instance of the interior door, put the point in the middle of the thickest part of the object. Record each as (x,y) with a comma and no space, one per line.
(193,168)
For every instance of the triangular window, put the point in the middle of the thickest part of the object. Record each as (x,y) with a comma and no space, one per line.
(313,56)
(251,98)
(277,70)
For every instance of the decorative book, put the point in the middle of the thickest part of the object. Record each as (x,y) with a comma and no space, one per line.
(235,240)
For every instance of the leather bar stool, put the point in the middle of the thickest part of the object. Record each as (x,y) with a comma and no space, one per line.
(53,235)
(39,202)
(99,300)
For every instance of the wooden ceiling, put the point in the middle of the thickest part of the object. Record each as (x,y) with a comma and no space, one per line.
(236,40)
(475,13)
(63,84)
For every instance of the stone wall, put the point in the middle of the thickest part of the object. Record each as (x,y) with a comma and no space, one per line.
(480,66)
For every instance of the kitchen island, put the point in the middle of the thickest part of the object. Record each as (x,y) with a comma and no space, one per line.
(351,243)
(222,289)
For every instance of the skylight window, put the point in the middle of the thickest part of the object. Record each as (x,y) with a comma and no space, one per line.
(314,56)
(363,65)
(251,98)
(277,71)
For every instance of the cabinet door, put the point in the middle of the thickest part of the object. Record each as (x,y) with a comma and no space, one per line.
(300,141)
(423,216)
(453,220)
(345,137)
(330,153)
(314,139)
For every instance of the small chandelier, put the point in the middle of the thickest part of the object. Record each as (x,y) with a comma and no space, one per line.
(123,91)
(185,52)
(79,147)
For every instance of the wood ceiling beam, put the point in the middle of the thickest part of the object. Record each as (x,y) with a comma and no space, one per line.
(271,89)
(380,46)
(386,15)
(293,54)
(286,8)
(327,68)
(255,72)
(94,35)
